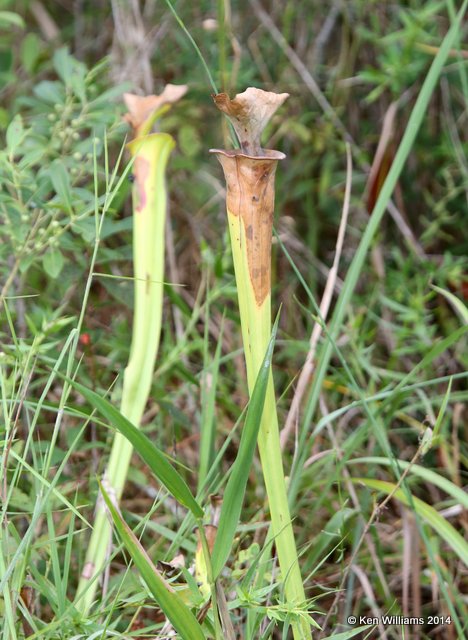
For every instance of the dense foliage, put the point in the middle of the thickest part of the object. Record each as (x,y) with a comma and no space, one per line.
(354,71)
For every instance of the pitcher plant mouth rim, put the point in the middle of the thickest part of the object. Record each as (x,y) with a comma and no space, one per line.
(265,154)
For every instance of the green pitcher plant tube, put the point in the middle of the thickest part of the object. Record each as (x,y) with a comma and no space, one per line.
(150,153)
(250,194)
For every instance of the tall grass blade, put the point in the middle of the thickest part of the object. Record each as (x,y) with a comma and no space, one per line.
(347,635)
(154,458)
(235,488)
(421,472)
(427,513)
(459,306)
(180,616)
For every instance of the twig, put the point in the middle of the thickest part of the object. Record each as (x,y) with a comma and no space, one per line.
(46,23)
(369,592)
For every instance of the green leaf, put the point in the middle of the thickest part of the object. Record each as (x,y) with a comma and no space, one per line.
(50,92)
(189,140)
(71,71)
(443,409)
(52,262)
(111,94)
(6,66)
(30,51)
(154,458)
(235,488)
(457,304)
(4,118)
(180,616)
(330,535)
(421,472)
(32,157)
(347,635)
(15,134)
(11,19)
(61,182)
(208,403)
(445,530)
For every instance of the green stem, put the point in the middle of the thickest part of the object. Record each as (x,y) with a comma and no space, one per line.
(256,331)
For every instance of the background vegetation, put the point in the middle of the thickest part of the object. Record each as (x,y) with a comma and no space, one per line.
(399,361)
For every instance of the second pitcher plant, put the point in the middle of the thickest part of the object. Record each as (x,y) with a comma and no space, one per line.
(150,153)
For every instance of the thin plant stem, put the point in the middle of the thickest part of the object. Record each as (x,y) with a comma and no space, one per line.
(256,331)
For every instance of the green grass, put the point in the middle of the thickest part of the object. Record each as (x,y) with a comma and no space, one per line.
(384,412)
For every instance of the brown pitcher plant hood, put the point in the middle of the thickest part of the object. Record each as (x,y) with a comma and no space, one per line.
(143,110)
(249,113)
(250,177)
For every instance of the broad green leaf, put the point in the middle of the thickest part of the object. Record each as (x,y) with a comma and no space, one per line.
(51,92)
(235,488)
(11,19)
(31,157)
(63,64)
(31,48)
(111,94)
(71,71)
(61,182)
(14,134)
(180,616)
(52,262)
(445,530)
(154,458)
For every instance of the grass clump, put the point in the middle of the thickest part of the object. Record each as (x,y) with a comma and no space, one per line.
(372,464)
